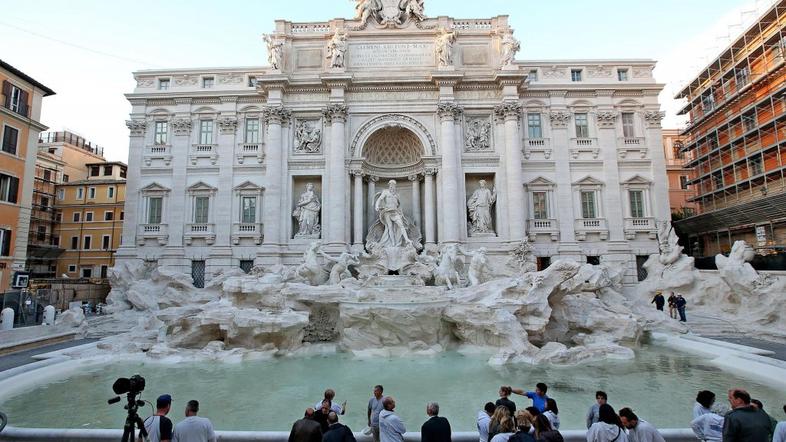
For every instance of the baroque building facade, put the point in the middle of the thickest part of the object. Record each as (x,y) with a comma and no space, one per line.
(237,167)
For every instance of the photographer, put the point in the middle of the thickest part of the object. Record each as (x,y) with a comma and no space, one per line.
(158,426)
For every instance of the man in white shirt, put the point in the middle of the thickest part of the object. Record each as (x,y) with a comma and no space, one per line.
(639,430)
(484,419)
(194,428)
(330,395)
(391,427)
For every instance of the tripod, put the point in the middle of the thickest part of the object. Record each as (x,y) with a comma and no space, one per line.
(133,419)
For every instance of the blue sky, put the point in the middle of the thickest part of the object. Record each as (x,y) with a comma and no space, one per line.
(86,50)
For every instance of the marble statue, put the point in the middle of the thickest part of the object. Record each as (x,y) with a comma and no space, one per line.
(510,46)
(478,136)
(365,9)
(340,269)
(411,8)
(308,138)
(668,243)
(336,48)
(478,266)
(307,213)
(312,270)
(275,51)
(447,271)
(394,223)
(444,47)
(479,206)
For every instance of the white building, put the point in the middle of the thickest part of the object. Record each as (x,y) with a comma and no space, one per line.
(220,157)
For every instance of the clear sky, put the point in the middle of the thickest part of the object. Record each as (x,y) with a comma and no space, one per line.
(86,49)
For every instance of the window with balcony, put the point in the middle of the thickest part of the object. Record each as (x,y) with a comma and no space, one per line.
(588,207)
(252,131)
(636,200)
(628,128)
(163,84)
(154,205)
(582,125)
(540,207)
(9,188)
(534,127)
(622,74)
(201,209)
(248,210)
(207,82)
(575,75)
(161,134)
(5,242)
(205,131)
(10,139)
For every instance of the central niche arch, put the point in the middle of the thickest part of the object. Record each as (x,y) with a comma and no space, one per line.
(392,146)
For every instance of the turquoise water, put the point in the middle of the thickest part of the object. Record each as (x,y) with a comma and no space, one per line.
(660,385)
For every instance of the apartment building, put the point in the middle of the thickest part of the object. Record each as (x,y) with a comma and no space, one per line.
(681,193)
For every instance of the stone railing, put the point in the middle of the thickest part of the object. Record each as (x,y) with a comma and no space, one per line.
(159,232)
(583,142)
(583,226)
(639,225)
(631,141)
(158,152)
(250,150)
(204,231)
(541,147)
(247,230)
(543,226)
(209,151)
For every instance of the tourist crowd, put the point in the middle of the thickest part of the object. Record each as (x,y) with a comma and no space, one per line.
(501,421)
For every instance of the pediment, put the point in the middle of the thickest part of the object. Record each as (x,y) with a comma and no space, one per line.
(247,185)
(541,181)
(637,179)
(154,187)
(201,186)
(588,181)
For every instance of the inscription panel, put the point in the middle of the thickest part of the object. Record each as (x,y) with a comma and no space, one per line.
(379,55)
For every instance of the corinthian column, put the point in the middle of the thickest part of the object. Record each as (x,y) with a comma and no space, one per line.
(451,173)
(511,112)
(415,199)
(274,117)
(357,222)
(428,191)
(337,177)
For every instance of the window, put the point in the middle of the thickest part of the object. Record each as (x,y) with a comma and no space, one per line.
(252,130)
(47,175)
(110,192)
(94,170)
(205,131)
(40,233)
(107,170)
(59,216)
(122,215)
(61,194)
(749,121)
(105,242)
(104,271)
(678,152)
(163,84)
(91,193)
(77,216)
(708,103)
(246,265)
(9,188)
(122,172)
(74,242)
(44,202)
(5,242)
(88,217)
(201,206)
(575,75)
(252,81)
(249,209)
(154,210)
(86,243)
(198,273)
(533,75)
(80,193)
(636,198)
(594,260)
(56,241)
(71,268)
(15,98)
(109,216)
(683,182)
(741,75)
(540,205)
(755,165)
(534,128)
(588,204)
(543,262)
(627,125)
(87,272)
(622,74)
(207,82)
(582,125)
(161,132)
(65,178)
(10,139)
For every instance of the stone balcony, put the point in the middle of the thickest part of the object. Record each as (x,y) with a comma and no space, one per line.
(584,148)
(205,231)
(584,226)
(158,152)
(537,227)
(251,151)
(640,225)
(631,148)
(247,230)
(209,151)
(158,232)
(537,148)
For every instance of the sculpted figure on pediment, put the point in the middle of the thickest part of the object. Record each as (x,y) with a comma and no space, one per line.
(510,46)
(337,47)
(365,9)
(275,51)
(411,8)
(444,47)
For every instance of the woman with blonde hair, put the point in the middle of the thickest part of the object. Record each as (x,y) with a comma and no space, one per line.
(500,413)
(524,427)
(506,428)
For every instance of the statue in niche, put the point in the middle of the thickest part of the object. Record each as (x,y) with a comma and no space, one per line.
(308,138)
(392,219)
(337,47)
(478,136)
(444,47)
(478,266)
(479,206)
(275,51)
(307,213)
(510,46)
(411,8)
(365,9)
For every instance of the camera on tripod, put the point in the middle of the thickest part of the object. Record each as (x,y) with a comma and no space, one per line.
(131,387)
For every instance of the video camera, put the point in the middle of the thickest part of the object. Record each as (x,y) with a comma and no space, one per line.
(131,387)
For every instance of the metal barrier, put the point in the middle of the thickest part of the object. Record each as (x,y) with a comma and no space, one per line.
(13,434)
